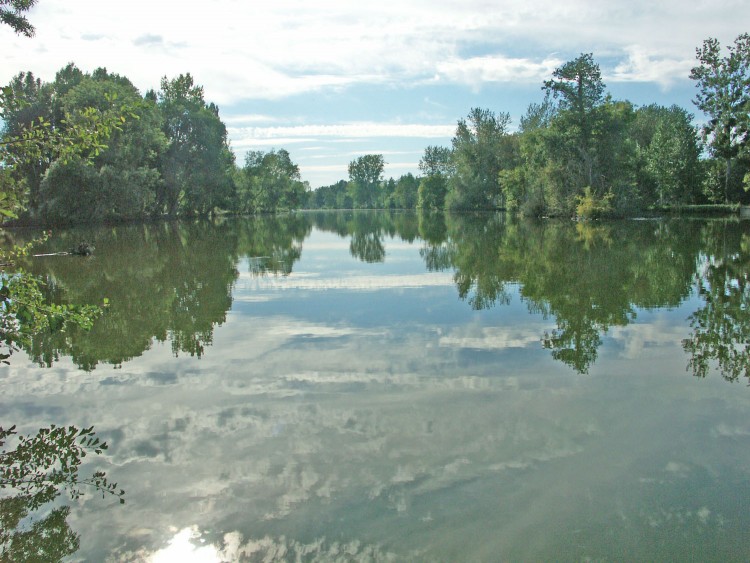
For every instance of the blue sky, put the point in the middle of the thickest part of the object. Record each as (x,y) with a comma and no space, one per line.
(331,80)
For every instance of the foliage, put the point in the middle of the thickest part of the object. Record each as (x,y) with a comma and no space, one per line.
(590,206)
(721,327)
(197,164)
(724,96)
(579,87)
(437,165)
(437,161)
(41,465)
(35,472)
(48,539)
(11,13)
(406,192)
(24,311)
(335,196)
(269,182)
(365,175)
(431,192)
(89,147)
(481,148)
(40,130)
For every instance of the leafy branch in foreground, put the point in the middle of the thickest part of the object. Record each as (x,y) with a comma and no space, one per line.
(11,13)
(24,311)
(42,464)
(80,134)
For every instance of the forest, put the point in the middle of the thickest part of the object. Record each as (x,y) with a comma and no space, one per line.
(89,147)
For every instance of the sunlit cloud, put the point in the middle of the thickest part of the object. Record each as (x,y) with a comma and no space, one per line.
(272,50)
(481,70)
(642,66)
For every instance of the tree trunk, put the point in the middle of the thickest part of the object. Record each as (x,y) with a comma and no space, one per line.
(726,180)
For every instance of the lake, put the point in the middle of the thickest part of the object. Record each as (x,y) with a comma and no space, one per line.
(373,386)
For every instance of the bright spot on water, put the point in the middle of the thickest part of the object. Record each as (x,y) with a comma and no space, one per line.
(182,550)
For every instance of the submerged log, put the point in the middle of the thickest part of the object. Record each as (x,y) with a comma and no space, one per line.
(82,249)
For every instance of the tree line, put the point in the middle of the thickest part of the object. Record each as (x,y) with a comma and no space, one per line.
(89,147)
(162,154)
(581,152)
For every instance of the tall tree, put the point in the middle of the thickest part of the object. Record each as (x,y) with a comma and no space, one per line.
(480,151)
(672,158)
(269,181)
(724,96)
(405,194)
(365,175)
(578,86)
(197,164)
(118,183)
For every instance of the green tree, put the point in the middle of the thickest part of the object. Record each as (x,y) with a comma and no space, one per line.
(437,167)
(480,150)
(724,96)
(121,180)
(579,88)
(365,175)
(437,160)
(529,186)
(197,165)
(269,182)
(12,14)
(406,192)
(334,196)
(672,158)
(39,131)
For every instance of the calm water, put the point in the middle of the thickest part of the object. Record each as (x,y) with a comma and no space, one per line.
(375,387)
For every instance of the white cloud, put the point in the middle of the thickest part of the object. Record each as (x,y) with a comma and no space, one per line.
(270,50)
(496,68)
(361,130)
(642,66)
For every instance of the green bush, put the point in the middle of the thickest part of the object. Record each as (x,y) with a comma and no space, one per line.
(591,206)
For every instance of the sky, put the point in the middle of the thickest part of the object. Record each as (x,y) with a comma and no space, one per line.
(332,80)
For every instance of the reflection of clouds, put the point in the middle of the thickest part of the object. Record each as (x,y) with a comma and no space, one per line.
(494,337)
(354,282)
(726,431)
(288,426)
(642,338)
(189,546)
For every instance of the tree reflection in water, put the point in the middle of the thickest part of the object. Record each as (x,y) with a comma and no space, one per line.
(587,277)
(721,327)
(174,281)
(34,473)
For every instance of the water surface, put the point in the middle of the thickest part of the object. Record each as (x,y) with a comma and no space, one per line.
(369,386)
